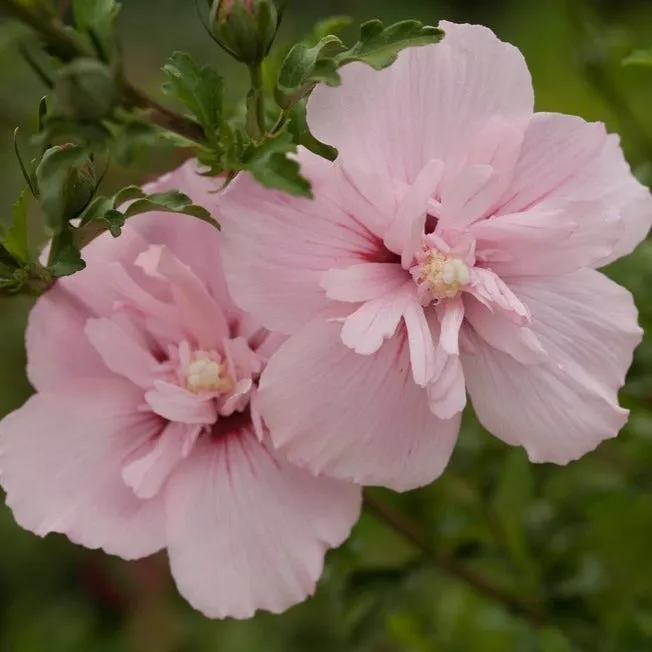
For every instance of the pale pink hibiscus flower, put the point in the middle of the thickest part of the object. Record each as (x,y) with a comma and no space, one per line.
(144,435)
(451,248)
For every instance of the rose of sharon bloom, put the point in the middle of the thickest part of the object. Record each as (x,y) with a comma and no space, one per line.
(451,248)
(144,434)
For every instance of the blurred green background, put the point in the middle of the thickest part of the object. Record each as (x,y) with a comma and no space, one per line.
(577,539)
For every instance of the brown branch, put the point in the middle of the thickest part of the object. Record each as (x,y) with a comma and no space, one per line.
(68,47)
(402,525)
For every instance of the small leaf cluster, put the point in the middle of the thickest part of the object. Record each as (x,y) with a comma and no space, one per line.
(93,117)
(263,138)
(64,182)
(89,101)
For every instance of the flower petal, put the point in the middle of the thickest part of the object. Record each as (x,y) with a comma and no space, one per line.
(447,394)
(248,531)
(149,469)
(121,353)
(596,229)
(467,196)
(277,247)
(420,343)
(371,324)
(497,330)
(358,418)
(425,105)
(451,315)
(565,158)
(563,408)
(175,403)
(57,347)
(362,282)
(194,242)
(407,229)
(62,455)
(203,317)
(490,290)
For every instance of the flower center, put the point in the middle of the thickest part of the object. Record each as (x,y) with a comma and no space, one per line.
(439,275)
(203,374)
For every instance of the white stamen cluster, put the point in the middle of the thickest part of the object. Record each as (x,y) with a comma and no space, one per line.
(207,375)
(444,274)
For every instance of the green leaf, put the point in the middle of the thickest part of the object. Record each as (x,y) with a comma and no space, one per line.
(66,184)
(639,58)
(379,46)
(130,193)
(97,18)
(328,26)
(282,173)
(115,220)
(92,14)
(29,177)
(65,258)
(104,213)
(15,240)
(7,262)
(304,66)
(171,201)
(200,89)
(298,126)
(97,209)
(270,165)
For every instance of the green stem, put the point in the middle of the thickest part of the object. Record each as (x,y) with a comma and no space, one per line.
(256,117)
(403,526)
(68,47)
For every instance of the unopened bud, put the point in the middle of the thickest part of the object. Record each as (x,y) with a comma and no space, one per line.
(86,90)
(245,28)
(66,184)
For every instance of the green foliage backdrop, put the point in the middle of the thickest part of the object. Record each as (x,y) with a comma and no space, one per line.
(574,542)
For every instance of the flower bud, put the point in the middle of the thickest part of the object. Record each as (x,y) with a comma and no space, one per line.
(66,184)
(86,90)
(245,28)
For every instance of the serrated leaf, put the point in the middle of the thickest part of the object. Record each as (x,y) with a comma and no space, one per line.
(298,126)
(130,193)
(282,173)
(97,209)
(107,211)
(308,65)
(171,201)
(200,89)
(639,58)
(379,46)
(270,165)
(328,26)
(115,220)
(65,258)
(15,240)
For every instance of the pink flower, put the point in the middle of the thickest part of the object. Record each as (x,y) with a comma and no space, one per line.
(144,433)
(451,247)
